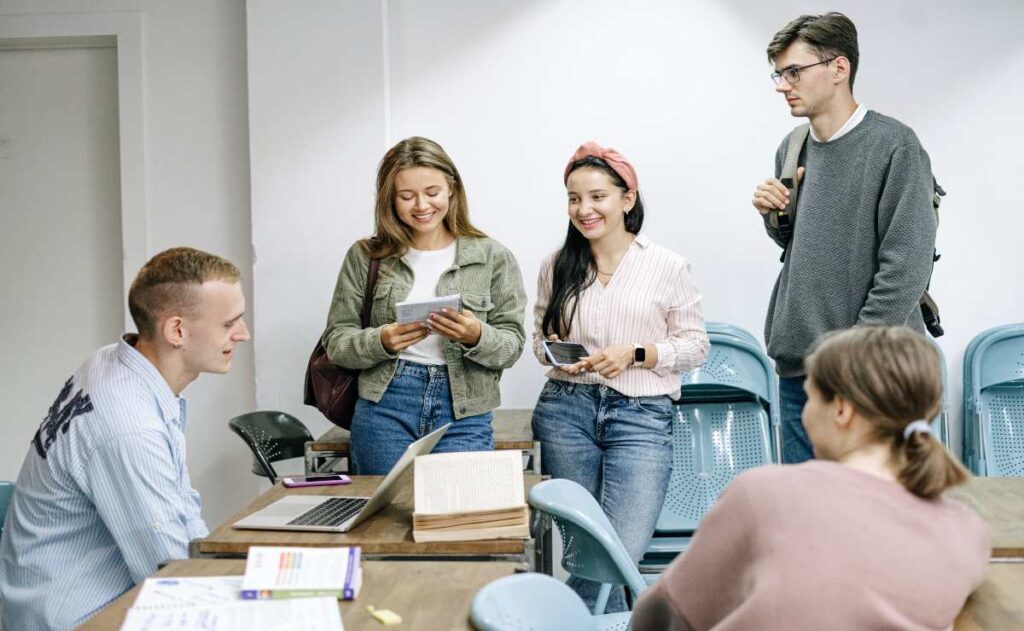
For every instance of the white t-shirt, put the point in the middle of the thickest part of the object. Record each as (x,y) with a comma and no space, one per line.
(427,267)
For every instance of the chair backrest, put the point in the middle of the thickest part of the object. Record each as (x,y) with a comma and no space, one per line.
(591,548)
(6,492)
(534,602)
(731,329)
(712,443)
(272,436)
(994,402)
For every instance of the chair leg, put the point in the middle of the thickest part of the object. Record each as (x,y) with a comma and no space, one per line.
(602,599)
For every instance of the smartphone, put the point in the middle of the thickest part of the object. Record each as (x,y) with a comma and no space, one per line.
(317,480)
(564,353)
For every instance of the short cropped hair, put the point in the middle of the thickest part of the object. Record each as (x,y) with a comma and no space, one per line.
(169,283)
(830,35)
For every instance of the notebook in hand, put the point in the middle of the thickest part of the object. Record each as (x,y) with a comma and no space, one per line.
(279,572)
(466,496)
(420,311)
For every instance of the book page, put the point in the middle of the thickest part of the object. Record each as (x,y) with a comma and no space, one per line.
(468,481)
(188,590)
(300,614)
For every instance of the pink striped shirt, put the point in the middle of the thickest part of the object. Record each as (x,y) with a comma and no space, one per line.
(651,299)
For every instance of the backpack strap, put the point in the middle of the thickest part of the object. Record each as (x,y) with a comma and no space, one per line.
(784,220)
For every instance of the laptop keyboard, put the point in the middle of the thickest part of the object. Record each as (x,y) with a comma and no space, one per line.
(334,512)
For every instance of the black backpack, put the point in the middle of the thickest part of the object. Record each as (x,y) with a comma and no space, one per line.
(784,220)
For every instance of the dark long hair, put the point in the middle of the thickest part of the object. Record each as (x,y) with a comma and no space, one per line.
(574,268)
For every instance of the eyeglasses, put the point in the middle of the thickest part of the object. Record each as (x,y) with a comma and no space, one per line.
(792,74)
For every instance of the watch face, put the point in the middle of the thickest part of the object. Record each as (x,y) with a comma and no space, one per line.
(639,355)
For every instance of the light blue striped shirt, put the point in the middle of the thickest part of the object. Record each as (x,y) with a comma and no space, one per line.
(103,496)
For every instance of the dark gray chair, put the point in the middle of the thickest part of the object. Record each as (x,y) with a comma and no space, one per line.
(272,436)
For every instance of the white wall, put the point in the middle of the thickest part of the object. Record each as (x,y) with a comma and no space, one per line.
(197,194)
(511,88)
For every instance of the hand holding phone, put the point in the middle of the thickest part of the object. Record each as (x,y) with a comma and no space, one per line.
(564,354)
(316,480)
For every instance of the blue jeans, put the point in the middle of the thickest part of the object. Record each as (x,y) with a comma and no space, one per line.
(796,446)
(418,401)
(617,447)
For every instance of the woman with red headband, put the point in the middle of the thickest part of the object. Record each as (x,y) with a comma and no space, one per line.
(606,420)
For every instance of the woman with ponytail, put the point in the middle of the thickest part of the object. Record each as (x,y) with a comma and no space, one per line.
(605,422)
(860,538)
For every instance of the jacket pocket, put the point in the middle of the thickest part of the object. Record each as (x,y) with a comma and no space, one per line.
(479,304)
(382,310)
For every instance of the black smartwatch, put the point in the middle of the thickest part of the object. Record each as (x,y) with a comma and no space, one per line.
(639,355)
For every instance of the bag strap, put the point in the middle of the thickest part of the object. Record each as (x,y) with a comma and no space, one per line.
(371,284)
(797,138)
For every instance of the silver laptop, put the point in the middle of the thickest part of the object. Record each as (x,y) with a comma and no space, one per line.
(337,514)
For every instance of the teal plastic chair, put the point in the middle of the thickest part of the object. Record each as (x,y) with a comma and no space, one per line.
(271,436)
(6,492)
(725,422)
(940,424)
(994,402)
(530,602)
(591,548)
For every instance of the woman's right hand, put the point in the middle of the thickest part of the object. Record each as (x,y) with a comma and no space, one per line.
(572,369)
(395,337)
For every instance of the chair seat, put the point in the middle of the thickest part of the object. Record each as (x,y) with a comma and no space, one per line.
(614,621)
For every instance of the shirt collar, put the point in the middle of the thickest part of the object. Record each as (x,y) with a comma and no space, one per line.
(172,407)
(642,240)
(854,120)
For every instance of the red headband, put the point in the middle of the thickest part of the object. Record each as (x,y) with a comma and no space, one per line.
(615,160)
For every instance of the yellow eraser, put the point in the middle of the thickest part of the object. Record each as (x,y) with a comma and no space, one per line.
(386,617)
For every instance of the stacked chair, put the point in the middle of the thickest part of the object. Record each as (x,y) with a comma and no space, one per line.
(726,421)
(993,398)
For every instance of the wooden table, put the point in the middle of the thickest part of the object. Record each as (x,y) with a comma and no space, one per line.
(1000,502)
(427,594)
(385,535)
(998,603)
(512,430)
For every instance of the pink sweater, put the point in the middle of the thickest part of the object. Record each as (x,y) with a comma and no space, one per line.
(821,546)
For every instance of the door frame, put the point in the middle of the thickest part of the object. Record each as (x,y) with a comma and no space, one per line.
(122,30)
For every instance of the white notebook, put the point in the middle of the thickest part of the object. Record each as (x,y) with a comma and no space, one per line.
(419,311)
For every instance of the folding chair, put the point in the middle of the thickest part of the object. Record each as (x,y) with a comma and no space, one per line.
(272,436)
(994,402)
(726,421)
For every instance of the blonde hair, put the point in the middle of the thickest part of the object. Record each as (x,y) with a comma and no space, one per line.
(892,376)
(167,283)
(391,235)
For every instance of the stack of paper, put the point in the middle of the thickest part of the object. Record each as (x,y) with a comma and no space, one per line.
(276,572)
(467,496)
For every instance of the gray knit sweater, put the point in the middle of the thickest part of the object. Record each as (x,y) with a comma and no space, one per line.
(862,248)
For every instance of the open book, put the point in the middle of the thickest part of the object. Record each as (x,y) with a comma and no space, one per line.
(472,495)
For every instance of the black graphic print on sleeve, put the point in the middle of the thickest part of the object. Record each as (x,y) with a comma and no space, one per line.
(60,416)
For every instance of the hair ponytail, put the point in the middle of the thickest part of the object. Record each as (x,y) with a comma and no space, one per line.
(924,466)
(893,376)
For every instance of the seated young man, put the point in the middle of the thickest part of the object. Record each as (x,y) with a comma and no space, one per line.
(104,495)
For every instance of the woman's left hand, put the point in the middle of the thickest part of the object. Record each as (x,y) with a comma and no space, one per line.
(611,361)
(461,327)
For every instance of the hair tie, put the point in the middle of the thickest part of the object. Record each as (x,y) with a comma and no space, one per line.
(917,426)
(615,160)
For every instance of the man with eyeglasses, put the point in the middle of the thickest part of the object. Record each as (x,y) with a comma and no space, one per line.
(860,250)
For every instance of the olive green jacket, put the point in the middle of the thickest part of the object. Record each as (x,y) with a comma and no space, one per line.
(487,276)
